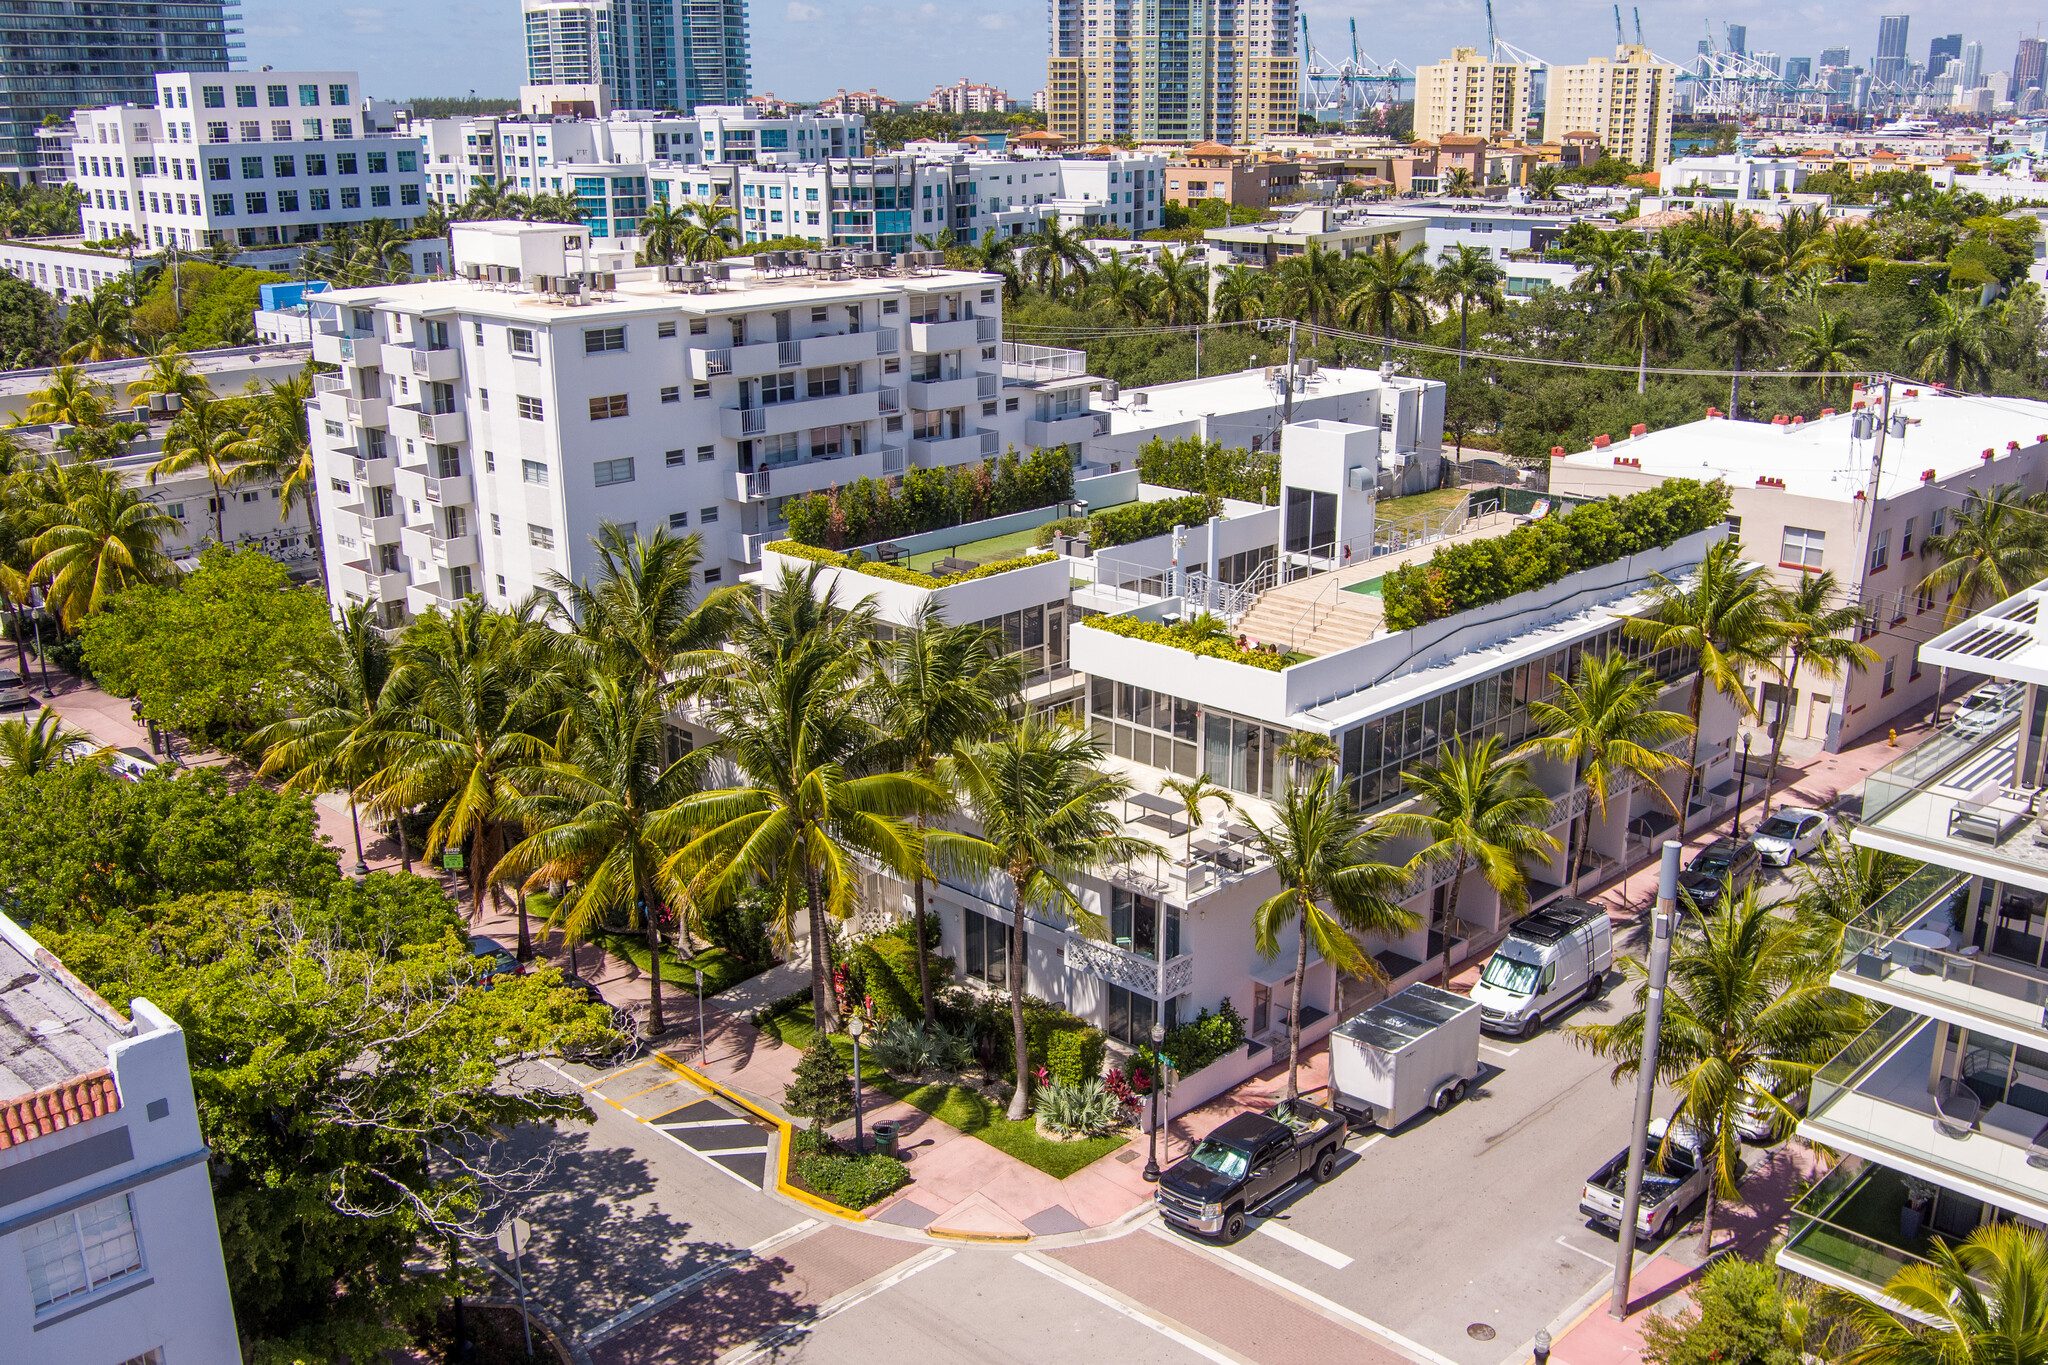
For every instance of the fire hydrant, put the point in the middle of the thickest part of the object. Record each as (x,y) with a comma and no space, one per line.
(1891,739)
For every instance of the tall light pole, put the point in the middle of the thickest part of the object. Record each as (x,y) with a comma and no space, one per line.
(854,1029)
(1646,1077)
(1741,782)
(1158,1079)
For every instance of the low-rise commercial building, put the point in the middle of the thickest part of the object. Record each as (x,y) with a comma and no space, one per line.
(1347,234)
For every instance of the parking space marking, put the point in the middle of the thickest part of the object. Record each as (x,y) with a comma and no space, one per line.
(1302,1293)
(695,1123)
(770,1346)
(1500,1051)
(1372,1141)
(1118,1303)
(1591,1256)
(1307,1246)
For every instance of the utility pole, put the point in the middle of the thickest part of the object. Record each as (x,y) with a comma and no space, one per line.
(1646,1076)
(1287,401)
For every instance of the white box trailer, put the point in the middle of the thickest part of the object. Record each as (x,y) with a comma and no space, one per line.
(1413,1051)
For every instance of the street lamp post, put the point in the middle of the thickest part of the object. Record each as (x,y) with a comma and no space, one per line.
(42,657)
(1158,1077)
(700,1015)
(1741,785)
(854,1029)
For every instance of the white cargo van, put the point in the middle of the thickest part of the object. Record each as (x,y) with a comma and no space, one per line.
(1548,963)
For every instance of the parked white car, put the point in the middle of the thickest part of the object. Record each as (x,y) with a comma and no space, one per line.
(1791,833)
(1985,709)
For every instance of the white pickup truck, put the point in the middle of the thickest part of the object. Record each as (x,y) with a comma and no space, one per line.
(1667,1194)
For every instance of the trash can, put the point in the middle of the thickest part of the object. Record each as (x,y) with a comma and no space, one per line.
(885,1137)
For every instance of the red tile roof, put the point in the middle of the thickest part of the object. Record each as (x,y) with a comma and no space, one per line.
(57,1108)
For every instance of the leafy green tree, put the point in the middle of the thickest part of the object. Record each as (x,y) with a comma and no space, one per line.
(820,1090)
(216,650)
(277,447)
(1322,850)
(1607,723)
(35,746)
(1465,276)
(1813,619)
(1725,615)
(1738,1317)
(1482,810)
(1748,1016)
(353,1091)
(102,541)
(27,329)
(1044,807)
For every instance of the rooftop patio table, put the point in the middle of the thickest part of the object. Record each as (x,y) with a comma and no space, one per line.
(1924,941)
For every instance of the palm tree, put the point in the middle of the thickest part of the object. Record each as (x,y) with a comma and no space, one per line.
(205,435)
(1994,545)
(1799,238)
(96,326)
(1053,253)
(29,747)
(1193,791)
(638,616)
(1182,289)
(795,724)
(994,255)
(1389,290)
(102,541)
(596,808)
(331,739)
(1543,181)
(1322,851)
(1601,261)
(1747,313)
(171,372)
(1653,302)
(1725,616)
(1846,247)
(1814,619)
(1466,275)
(1482,810)
(1839,884)
(1310,286)
(1955,341)
(1608,724)
(662,233)
(1983,1301)
(939,689)
(1459,185)
(278,448)
(1122,289)
(472,696)
(1748,1016)
(1043,804)
(70,397)
(1240,293)
(711,232)
(1827,345)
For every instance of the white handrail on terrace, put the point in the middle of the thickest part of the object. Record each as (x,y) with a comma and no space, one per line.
(1038,364)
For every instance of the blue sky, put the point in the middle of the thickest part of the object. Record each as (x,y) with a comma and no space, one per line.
(809,48)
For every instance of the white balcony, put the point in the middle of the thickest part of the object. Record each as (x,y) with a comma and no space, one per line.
(374,584)
(931,395)
(340,350)
(378,470)
(780,419)
(889,399)
(1059,431)
(361,412)
(424,542)
(745,362)
(379,530)
(847,348)
(746,546)
(452,491)
(440,366)
(808,476)
(976,444)
(926,337)
(441,428)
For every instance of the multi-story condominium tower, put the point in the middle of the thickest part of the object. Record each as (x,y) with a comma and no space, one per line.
(480,428)
(1173,70)
(1890,62)
(650,54)
(1472,96)
(2029,68)
(107,1230)
(256,159)
(1627,100)
(1940,1109)
(76,54)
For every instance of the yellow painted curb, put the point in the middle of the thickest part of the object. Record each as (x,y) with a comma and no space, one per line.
(948,1235)
(782,1185)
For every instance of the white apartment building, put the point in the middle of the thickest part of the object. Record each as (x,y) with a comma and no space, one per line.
(531,154)
(109,1248)
(461,444)
(268,158)
(1514,235)
(63,266)
(1173,72)
(1474,96)
(1941,1107)
(1735,176)
(968,97)
(1807,497)
(1626,100)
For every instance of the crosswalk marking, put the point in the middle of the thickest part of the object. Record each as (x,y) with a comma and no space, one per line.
(1307,1246)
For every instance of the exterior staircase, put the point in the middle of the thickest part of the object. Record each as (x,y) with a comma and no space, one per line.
(1335,620)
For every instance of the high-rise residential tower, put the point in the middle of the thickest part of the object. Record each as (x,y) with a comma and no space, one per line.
(1973,66)
(75,54)
(1738,39)
(1626,99)
(1798,69)
(1469,95)
(2029,67)
(1941,49)
(1890,62)
(649,54)
(1834,56)
(1173,70)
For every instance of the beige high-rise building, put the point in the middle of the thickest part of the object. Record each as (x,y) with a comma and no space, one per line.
(1625,100)
(1173,70)
(1470,95)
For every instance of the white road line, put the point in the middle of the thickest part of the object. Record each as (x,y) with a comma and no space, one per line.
(611,1326)
(767,1346)
(1307,1246)
(1372,1141)
(1116,1304)
(723,1170)
(1500,1051)
(705,1123)
(1582,1251)
(783,1238)
(728,1151)
(1307,1295)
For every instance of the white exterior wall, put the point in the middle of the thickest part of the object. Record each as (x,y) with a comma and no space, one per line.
(63,271)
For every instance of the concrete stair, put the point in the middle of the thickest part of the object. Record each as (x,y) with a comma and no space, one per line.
(1340,623)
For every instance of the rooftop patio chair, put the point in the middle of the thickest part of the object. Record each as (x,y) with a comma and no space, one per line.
(1956,1108)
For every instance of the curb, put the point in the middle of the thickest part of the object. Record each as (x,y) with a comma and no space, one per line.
(991,1238)
(782,1126)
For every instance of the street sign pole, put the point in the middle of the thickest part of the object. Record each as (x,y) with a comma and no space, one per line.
(1646,1077)
(518,1232)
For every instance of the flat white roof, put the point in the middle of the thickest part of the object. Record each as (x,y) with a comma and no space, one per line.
(1945,432)
(1237,391)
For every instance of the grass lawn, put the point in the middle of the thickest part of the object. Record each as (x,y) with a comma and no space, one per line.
(1415,504)
(1011,546)
(721,969)
(965,1109)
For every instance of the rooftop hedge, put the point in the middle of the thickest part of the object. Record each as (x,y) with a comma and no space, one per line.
(869,510)
(1460,577)
(1192,638)
(876,569)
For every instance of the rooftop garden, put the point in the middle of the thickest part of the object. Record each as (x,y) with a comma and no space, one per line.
(870,510)
(1460,577)
(1199,466)
(1205,635)
(858,563)
(1131,521)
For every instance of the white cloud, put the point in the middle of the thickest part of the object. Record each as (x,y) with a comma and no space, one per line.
(364,22)
(996,21)
(800,13)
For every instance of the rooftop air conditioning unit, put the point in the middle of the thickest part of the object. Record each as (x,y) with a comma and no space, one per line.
(1110,391)
(720,270)
(689,274)
(763,261)
(814,260)
(472,270)
(1137,398)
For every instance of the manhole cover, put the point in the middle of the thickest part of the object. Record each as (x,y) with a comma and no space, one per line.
(1479,1331)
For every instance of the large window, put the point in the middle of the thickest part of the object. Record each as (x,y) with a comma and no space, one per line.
(78,1252)
(1802,548)
(1145,726)
(988,940)
(1039,634)
(1140,924)
(1129,1015)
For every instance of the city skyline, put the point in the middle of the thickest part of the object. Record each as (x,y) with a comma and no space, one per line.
(808,49)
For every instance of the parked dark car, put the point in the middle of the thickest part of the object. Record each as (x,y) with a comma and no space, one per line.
(1248,1163)
(498,960)
(1722,868)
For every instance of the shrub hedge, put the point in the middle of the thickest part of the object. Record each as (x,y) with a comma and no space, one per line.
(1069,1050)
(852,1182)
(1201,466)
(868,510)
(1204,1039)
(1143,520)
(1460,577)
(894,574)
(1187,637)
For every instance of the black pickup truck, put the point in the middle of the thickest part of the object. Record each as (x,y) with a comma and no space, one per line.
(1247,1163)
